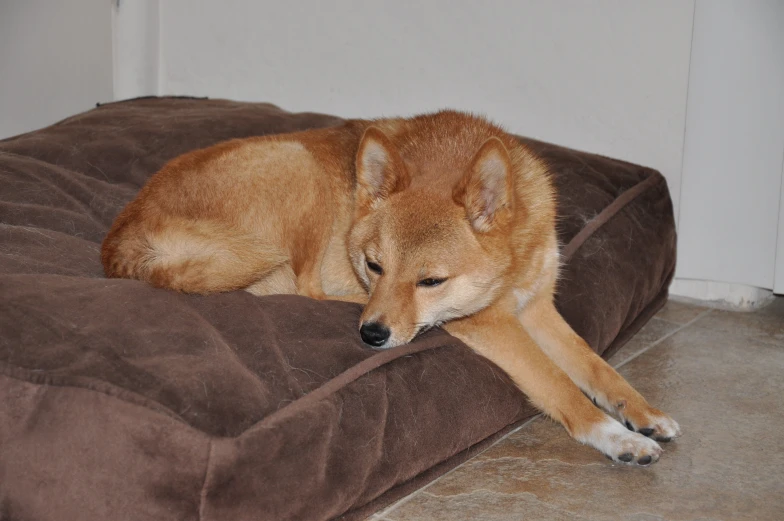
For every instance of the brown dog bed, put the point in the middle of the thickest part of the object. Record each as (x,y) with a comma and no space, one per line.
(124,402)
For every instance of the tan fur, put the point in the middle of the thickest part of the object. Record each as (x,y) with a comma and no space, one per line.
(457,215)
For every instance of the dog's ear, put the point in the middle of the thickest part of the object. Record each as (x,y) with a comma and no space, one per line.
(380,169)
(486,189)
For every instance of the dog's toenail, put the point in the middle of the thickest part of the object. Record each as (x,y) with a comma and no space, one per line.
(645,460)
(629,425)
(647,431)
(664,440)
(626,457)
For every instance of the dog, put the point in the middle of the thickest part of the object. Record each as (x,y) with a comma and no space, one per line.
(442,219)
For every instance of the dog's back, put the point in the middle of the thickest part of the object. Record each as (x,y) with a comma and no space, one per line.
(224,217)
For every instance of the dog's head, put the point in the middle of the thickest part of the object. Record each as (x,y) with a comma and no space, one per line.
(432,247)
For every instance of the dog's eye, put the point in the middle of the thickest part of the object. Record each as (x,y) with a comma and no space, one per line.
(375,268)
(430,283)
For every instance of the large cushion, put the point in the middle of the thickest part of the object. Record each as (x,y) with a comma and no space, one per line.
(124,402)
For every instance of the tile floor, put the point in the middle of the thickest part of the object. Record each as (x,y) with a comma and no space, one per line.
(719,373)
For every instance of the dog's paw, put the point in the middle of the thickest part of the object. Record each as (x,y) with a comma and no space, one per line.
(653,424)
(621,445)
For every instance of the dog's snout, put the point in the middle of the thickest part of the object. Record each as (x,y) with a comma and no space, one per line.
(374,333)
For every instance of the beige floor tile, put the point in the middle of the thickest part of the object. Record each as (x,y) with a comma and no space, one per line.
(765,325)
(654,330)
(726,391)
(680,312)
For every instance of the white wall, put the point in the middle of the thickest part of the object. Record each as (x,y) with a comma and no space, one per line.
(734,144)
(608,76)
(136,29)
(55,61)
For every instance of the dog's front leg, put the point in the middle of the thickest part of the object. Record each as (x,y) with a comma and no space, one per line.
(499,336)
(591,373)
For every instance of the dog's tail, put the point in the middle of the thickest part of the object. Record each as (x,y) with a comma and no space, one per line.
(190,256)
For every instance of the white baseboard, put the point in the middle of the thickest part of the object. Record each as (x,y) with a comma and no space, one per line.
(739,297)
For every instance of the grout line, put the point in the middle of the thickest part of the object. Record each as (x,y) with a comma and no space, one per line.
(400,502)
(662,339)
(672,322)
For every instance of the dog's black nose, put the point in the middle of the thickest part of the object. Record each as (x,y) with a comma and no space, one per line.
(374,333)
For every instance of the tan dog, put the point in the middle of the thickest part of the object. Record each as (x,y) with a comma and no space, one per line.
(442,219)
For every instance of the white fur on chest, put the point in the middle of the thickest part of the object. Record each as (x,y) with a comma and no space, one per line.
(523,297)
(549,269)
